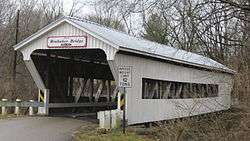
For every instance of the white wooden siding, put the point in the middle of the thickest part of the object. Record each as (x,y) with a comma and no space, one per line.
(146,110)
(63,29)
(66,29)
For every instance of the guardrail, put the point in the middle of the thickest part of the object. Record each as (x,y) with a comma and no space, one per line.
(87,104)
(21,104)
(4,104)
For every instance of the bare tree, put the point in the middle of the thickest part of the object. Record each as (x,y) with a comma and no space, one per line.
(108,22)
(76,7)
(156,29)
(33,16)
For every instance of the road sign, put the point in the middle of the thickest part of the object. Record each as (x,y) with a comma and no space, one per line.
(125,76)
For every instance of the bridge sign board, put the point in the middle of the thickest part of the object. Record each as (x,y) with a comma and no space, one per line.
(67,41)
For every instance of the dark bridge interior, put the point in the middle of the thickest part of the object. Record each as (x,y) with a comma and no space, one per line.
(76,76)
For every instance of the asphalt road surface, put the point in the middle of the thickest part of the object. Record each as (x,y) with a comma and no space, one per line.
(39,128)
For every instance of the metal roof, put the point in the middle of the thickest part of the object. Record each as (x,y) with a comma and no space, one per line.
(131,43)
(134,44)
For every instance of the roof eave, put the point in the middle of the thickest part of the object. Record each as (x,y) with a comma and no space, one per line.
(40,32)
(176,60)
(54,24)
(90,32)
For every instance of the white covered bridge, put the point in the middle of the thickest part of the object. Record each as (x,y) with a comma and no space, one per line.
(77,61)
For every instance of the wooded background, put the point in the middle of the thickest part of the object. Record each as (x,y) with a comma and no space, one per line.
(218,29)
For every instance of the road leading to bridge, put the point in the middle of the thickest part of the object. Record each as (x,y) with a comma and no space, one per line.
(39,128)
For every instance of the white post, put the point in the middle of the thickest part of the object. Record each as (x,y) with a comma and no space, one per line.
(119,101)
(31,109)
(17,108)
(45,99)
(4,110)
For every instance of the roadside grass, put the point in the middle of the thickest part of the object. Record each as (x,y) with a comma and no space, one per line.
(230,125)
(90,132)
(114,135)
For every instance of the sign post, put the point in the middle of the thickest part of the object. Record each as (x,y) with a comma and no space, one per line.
(124,113)
(125,81)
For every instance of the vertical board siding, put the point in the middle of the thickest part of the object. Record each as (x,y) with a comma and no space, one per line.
(147,110)
(66,29)
(63,29)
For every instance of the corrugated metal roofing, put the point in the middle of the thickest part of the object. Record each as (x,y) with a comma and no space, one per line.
(131,43)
